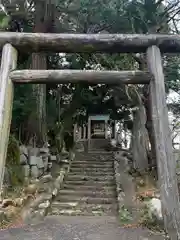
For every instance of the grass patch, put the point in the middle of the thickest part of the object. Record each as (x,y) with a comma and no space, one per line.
(125,216)
(150,221)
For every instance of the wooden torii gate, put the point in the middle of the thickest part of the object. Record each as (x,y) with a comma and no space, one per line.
(152,45)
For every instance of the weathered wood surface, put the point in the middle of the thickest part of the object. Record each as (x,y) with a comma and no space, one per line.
(140,139)
(77,76)
(164,153)
(8,63)
(88,43)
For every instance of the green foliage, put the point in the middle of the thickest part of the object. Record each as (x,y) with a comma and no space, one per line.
(125,216)
(4,21)
(13,162)
(16,175)
(13,152)
(148,220)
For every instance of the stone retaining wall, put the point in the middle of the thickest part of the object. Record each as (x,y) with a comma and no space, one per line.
(35,161)
(39,187)
(47,189)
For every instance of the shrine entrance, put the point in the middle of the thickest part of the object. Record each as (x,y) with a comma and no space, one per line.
(97,131)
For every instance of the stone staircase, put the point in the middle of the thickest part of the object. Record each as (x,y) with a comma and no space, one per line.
(89,189)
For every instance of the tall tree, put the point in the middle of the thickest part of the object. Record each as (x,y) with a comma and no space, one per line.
(44,22)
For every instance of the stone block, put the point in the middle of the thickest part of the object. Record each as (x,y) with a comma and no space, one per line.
(155,208)
(34,172)
(23,159)
(49,165)
(40,163)
(55,192)
(44,150)
(33,152)
(33,160)
(45,161)
(23,150)
(41,171)
(46,178)
(45,204)
(31,189)
(53,158)
(7,202)
(26,171)
(79,147)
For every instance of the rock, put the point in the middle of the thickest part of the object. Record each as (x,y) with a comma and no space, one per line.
(26,170)
(26,181)
(40,199)
(10,212)
(46,178)
(23,150)
(71,155)
(44,150)
(34,172)
(53,158)
(49,165)
(23,159)
(41,172)
(19,202)
(33,152)
(33,160)
(45,161)
(157,195)
(141,182)
(7,202)
(79,147)
(40,163)
(155,208)
(34,181)
(64,161)
(55,192)
(28,198)
(42,189)
(44,205)
(31,189)
(113,142)
(27,215)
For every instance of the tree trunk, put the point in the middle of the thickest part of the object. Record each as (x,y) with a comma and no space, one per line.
(43,19)
(140,139)
(149,127)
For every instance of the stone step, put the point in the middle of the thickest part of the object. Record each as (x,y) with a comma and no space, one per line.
(90,200)
(90,183)
(78,212)
(92,168)
(89,165)
(84,206)
(90,173)
(93,161)
(91,193)
(89,169)
(86,187)
(95,155)
(73,208)
(87,178)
